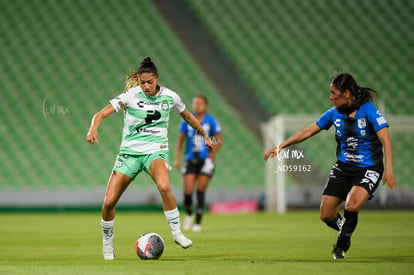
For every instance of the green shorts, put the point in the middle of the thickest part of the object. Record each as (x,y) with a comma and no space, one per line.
(131,165)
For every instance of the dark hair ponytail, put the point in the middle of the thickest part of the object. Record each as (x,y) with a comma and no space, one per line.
(147,66)
(362,95)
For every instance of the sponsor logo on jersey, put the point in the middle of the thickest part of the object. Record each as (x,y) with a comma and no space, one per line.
(381,120)
(353,157)
(142,103)
(352,143)
(337,122)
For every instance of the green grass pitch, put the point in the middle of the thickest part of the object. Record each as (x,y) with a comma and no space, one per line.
(294,243)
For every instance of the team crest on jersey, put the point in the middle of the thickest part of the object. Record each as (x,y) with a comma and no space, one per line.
(164,105)
(362,123)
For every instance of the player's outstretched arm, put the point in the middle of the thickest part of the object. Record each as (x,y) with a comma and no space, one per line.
(190,119)
(92,135)
(298,137)
(178,149)
(385,139)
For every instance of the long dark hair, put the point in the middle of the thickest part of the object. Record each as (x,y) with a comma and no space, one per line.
(362,95)
(146,66)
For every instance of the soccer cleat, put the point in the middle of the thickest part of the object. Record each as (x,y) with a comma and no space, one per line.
(338,253)
(188,221)
(108,249)
(196,228)
(183,241)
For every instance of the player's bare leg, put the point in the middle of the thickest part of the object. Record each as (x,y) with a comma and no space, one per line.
(329,212)
(116,186)
(160,174)
(356,198)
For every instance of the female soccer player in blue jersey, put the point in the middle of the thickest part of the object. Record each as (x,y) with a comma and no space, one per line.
(199,161)
(361,133)
(144,146)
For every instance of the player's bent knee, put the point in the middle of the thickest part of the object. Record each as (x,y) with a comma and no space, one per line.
(352,206)
(327,214)
(326,217)
(164,188)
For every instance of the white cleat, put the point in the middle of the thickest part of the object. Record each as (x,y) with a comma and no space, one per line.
(188,222)
(183,241)
(108,249)
(196,228)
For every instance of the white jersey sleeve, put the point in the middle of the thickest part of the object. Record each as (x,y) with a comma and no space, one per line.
(179,105)
(121,101)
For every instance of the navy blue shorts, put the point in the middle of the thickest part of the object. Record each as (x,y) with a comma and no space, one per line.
(199,167)
(344,176)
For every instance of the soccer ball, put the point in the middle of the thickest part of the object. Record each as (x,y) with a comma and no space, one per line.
(149,246)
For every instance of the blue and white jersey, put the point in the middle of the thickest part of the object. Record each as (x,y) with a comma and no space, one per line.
(356,137)
(195,146)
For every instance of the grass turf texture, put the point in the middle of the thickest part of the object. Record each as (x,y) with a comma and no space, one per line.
(295,243)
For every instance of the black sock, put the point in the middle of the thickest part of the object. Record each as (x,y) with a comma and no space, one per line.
(188,202)
(335,222)
(351,221)
(200,206)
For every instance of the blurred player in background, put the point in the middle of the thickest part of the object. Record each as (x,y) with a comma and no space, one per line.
(361,133)
(199,161)
(144,146)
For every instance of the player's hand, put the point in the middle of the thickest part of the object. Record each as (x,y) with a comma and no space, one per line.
(92,136)
(389,179)
(272,152)
(209,143)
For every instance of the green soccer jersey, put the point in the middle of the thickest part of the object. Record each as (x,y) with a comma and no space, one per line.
(146,119)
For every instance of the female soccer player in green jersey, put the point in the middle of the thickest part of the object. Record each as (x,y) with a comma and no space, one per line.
(144,146)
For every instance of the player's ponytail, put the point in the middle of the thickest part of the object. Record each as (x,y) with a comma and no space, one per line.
(132,81)
(146,66)
(362,95)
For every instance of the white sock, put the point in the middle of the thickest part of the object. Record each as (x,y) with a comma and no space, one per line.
(107,228)
(173,218)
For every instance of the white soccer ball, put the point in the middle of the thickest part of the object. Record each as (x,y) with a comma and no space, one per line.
(149,246)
